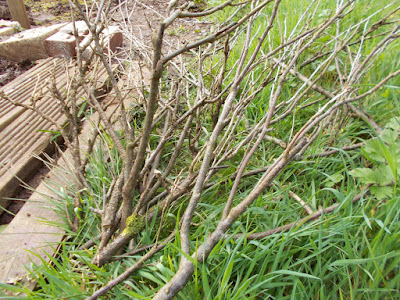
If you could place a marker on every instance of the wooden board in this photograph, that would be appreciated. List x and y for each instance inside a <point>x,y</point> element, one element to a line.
<point>23,133</point>
<point>33,234</point>
<point>22,87</point>
<point>30,235</point>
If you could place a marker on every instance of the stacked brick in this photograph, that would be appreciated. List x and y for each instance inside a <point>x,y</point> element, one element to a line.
<point>55,41</point>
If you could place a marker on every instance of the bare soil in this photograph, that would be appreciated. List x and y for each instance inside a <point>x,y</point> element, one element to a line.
<point>10,70</point>
<point>23,195</point>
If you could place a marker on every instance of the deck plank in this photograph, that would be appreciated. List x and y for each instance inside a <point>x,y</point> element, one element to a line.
<point>32,236</point>
<point>22,136</point>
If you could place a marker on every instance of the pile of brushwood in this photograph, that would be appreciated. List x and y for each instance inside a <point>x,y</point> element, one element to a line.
<point>259,160</point>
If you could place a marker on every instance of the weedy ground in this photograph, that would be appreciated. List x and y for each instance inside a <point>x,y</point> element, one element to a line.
<point>43,12</point>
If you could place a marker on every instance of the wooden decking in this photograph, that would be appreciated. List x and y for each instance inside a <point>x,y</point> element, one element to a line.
<point>32,236</point>
<point>23,133</point>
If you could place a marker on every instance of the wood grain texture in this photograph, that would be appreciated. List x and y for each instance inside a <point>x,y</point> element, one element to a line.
<point>32,236</point>
<point>18,12</point>
<point>24,133</point>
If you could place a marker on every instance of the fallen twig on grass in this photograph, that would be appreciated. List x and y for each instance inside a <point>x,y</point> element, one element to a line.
<point>310,218</point>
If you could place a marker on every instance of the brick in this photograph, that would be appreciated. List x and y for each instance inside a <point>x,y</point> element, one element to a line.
<point>81,27</point>
<point>111,38</point>
<point>28,44</point>
<point>61,44</point>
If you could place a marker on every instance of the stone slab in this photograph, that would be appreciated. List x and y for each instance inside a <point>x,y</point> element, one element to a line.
<point>7,31</point>
<point>7,23</point>
<point>28,44</point>
<point>81,27</point>
<point>8,28</point>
